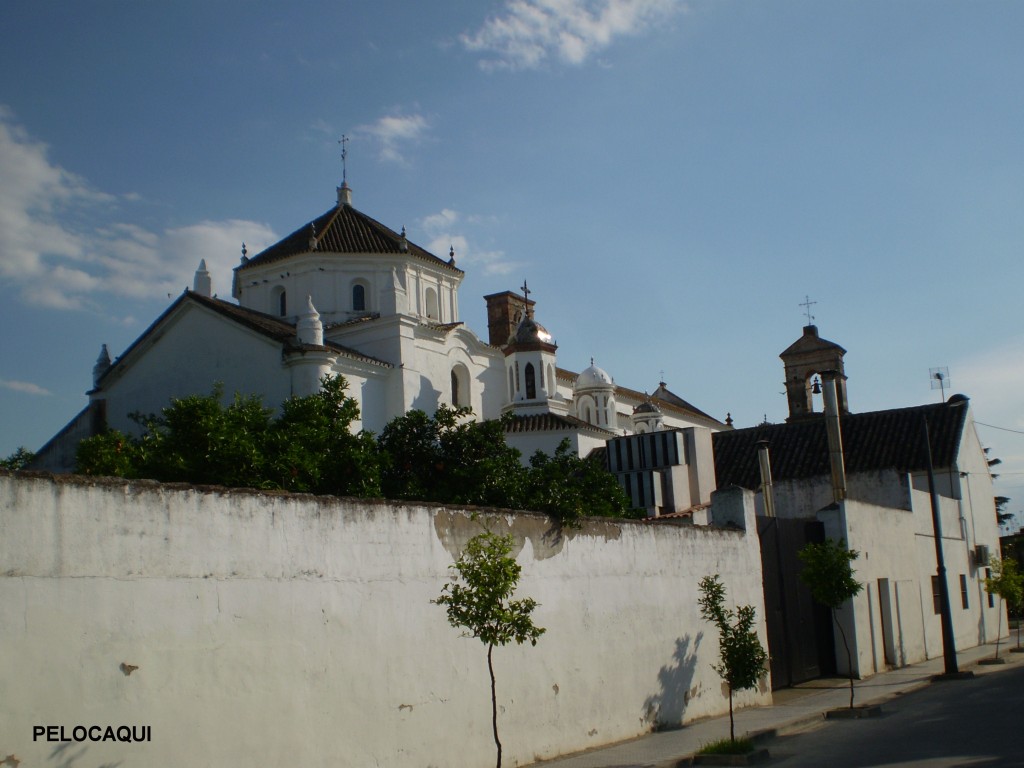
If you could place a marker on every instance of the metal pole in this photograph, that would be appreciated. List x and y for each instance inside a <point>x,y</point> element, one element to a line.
<point>948,641</point>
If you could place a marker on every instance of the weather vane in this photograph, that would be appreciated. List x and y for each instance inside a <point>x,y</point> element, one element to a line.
<point>344,156</point>
<point>807,304</point>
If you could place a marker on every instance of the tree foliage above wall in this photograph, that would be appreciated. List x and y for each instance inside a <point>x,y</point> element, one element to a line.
<point>310,447</point>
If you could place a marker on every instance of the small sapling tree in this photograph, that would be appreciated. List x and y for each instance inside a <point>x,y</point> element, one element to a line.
<point>741,656</point>
<point>828,574</point>
<point>479,601</point>
<point>1007,582</point>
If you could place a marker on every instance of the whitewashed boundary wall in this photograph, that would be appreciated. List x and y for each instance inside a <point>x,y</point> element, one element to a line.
<point>244,628</point>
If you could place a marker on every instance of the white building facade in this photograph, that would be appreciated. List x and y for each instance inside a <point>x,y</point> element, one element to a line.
<point>346,295</point>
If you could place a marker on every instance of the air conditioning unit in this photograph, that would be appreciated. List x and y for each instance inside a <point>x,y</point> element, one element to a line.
<point>981,555</point>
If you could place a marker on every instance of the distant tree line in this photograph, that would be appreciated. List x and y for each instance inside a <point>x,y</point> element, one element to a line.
<point>309,447</point>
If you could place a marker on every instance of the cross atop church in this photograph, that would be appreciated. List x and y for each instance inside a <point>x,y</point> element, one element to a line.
<point>807,304</point>
<point>344,157</point>
<point>526,295</point>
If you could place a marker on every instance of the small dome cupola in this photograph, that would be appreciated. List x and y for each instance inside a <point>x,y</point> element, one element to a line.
<point>647,417</point>
<point>530,364</point>
<point>594,397</point>
<point>529,331</point>
<point>593,378</point>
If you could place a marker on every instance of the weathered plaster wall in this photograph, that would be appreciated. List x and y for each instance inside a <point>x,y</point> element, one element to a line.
<point>894,615</point>
<point>255,629</point>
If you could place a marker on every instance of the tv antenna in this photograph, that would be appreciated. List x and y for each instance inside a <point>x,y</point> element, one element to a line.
<point>940,379</point>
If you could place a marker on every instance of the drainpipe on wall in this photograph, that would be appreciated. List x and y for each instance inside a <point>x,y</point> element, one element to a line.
<point>766,478</point>
<point>835,437</point>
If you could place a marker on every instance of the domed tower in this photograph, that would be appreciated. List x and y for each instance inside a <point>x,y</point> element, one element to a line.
<point>647,417</point>
<point>530,369</point>
<point>807,357</point>
<point>594,397</point>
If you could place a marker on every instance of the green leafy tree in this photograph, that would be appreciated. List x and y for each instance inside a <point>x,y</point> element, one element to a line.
<point>451,459</point>
<point>741,657</point>
<point>828,574</point>
<point>17,460</point>
<point>197,439</point>
<point>1007,582</point>
<point>312,448</point>
<point>570,488</point>
<point>109,454</point>
<point>479,601</point>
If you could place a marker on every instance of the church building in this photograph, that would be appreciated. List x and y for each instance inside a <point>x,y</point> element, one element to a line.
<point>346,295</point>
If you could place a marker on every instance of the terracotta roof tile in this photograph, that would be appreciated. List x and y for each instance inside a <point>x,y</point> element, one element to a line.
<point>872,441</point>
<point>343,229</point>
<point>548,422</point>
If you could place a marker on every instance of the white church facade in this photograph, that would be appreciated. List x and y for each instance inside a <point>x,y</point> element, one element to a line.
<point>344,294</point>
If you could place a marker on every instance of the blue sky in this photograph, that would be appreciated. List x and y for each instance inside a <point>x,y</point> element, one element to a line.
<point>672,178</point>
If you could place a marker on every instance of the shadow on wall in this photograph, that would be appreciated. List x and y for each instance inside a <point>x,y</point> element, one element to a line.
<point>428,398</point>
<point>665,710</point>
<point>68,754</point>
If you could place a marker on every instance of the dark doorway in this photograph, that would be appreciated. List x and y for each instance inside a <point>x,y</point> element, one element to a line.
<point>800,641</point>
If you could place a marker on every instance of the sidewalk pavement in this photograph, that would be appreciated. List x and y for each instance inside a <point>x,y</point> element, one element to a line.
<point>792,708</point>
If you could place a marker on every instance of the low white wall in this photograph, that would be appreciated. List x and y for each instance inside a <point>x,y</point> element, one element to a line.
<point>251,629</point>
<point>894,614</point>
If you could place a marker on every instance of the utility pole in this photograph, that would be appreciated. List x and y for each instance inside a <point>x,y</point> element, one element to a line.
<point>948,640</point>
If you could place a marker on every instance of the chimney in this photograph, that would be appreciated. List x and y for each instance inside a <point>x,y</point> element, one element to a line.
<point>766,478</point>
<point>835,436</point>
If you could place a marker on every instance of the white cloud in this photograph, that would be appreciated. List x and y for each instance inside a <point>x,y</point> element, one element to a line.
<point>393,133</point>
<point>55,261</point>
<point>442,228</point>
<point>24,386</point>
<point>531,31</point>
<point>994,380</point>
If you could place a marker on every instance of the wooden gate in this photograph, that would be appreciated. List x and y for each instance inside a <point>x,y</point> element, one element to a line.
<point>800,640</point>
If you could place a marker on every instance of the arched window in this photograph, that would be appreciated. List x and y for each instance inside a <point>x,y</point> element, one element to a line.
<point>511,385</point>
<point>531,382</point>
<point>460,386</point>
<point>432,310</point>
<point>358,298</point>
<point>280,301</point>
<point>517,376</point>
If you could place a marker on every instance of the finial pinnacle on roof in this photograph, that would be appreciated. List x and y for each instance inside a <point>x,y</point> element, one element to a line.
<point>807,304</point>
<point>526,295</point>
<point>245,254</point>
<point>451,256</point>
<point>344,159</point>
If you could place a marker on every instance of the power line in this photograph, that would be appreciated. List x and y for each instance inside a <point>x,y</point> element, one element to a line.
<point>1004,429</point>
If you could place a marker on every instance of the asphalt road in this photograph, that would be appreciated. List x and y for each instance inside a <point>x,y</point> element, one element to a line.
<point>975,722</point>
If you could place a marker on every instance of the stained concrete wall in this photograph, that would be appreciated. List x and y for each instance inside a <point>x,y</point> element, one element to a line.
<point>248,629</point>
